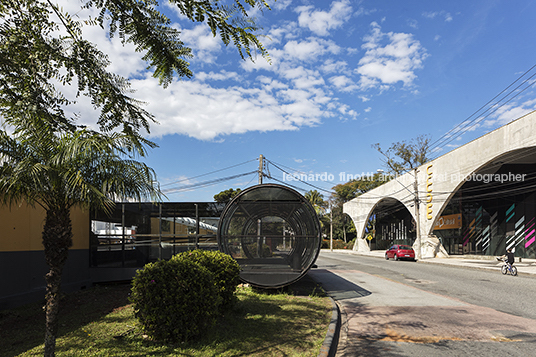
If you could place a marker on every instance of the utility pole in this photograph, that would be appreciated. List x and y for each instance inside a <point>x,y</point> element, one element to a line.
<point>330,228</point>
<point>261,164</point>
<point>259,222</point>
<point>417,216</point>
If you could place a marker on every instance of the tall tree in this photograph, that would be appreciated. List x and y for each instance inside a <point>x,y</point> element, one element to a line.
<point>58,171</point>
<point>316,199</point>
<point>404,156</point>
<point>46,158</point>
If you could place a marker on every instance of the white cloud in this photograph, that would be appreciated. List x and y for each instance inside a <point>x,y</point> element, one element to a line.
<point>343,83</point>
<point>310,49</point>
<point>205,46</point>
<point>347,112</point>
<point>212,76</point>
<point>280,4</point>
<point>320,22</point>
<point>302,77</point>
<point>363,11</point>
<point>331,66</point>
<point>389,58</point>
<point>289,95</point>
<point>413,23</point>
<point>433,14</point>
<point>508,112</point>
<point>282,32</point>
<point>270,84</point>
<point>203,112</point>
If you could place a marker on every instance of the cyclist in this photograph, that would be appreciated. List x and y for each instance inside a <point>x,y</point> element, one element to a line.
<point>508,257</point>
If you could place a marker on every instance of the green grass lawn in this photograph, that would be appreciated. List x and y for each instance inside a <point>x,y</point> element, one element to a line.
<point>100,322</point>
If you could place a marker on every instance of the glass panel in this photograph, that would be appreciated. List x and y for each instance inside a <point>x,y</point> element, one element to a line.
<point>152,232</point>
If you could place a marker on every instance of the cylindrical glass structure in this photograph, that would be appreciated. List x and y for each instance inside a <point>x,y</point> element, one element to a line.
<point>273,232</point>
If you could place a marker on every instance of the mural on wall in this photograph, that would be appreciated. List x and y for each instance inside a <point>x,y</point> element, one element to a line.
<point>489,231</point>
<point>473,232</point>
<point>530,236</point>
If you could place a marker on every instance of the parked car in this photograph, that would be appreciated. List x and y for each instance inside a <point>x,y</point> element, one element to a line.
<point>399,251</point>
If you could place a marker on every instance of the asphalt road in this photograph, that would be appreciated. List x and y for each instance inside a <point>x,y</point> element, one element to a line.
<point>413,309</point>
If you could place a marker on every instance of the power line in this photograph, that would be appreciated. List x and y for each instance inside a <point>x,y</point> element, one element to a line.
<point>296,178</point>
<point>206,183</point>
<point>209,173</point>
<point>461,128</point>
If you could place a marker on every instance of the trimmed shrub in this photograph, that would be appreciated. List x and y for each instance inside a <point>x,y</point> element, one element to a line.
<point>225,271</point>
<point>337,244</point>
<point>175,300</point>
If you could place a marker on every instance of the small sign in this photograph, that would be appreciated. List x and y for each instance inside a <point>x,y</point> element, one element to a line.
<point>451,221</point>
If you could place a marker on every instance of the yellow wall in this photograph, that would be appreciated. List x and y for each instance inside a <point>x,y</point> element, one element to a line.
<point>21,228</point>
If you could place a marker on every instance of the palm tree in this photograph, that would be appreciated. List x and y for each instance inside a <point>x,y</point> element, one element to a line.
<point>58,171</point>
<point>316,199</point>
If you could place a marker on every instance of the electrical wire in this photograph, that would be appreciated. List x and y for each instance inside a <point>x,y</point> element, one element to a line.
<point>209,173</point>
<point>296,179</point>
<point>461,128</point>
<point>206,183</point>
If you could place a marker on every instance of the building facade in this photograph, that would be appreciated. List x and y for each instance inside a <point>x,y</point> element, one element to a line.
<point>476,199</point>
<point>105,247</point>
<point>22,259</point>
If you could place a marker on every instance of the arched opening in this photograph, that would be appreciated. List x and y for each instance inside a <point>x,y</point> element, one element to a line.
<point>493,209</point>
<point>390,222</point>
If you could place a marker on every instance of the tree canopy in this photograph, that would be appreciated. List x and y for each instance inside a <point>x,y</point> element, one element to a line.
<point>43,49</point>
<point>226,195</point>
<point>316,199</point>
<point>403,155</point>
<point>346,191</point>
<point>46,157</point>
<point>58,171</point>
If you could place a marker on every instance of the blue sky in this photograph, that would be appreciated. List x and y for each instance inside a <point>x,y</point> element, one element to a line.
<point>344,75</point>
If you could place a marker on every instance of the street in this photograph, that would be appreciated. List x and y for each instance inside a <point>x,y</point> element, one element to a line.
<point>403,308</point>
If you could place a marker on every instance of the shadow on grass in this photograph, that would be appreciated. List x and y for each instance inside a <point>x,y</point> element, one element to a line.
<point>23,328</point>
<point>281,325</point>
<point>98,322</point>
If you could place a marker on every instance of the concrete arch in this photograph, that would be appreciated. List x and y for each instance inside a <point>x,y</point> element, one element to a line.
<point>485,171</point>
<point>382,204</point>
<point>436,181</point>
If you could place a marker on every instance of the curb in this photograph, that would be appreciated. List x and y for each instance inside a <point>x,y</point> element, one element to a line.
<point>329,347</point>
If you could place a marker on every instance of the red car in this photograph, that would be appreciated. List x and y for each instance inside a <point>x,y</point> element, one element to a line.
<point>400,252</point>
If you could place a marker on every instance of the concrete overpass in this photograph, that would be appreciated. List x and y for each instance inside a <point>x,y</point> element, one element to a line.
<point>437,181</point>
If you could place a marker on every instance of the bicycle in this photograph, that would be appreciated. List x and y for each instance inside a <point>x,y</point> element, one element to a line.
<point>508,268</point>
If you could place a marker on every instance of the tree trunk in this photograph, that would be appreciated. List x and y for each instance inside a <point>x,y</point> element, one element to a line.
<point>57,238</point>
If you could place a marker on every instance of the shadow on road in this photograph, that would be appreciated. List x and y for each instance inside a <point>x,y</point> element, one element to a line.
<point>338,288</point>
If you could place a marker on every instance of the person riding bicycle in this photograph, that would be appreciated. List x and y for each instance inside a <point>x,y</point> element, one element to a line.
<point>508,257</point>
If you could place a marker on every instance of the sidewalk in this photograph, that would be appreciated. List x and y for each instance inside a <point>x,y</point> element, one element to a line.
<point>525,267</point>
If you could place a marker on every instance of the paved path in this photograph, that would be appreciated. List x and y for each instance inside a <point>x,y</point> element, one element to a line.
<point>381,316</point>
